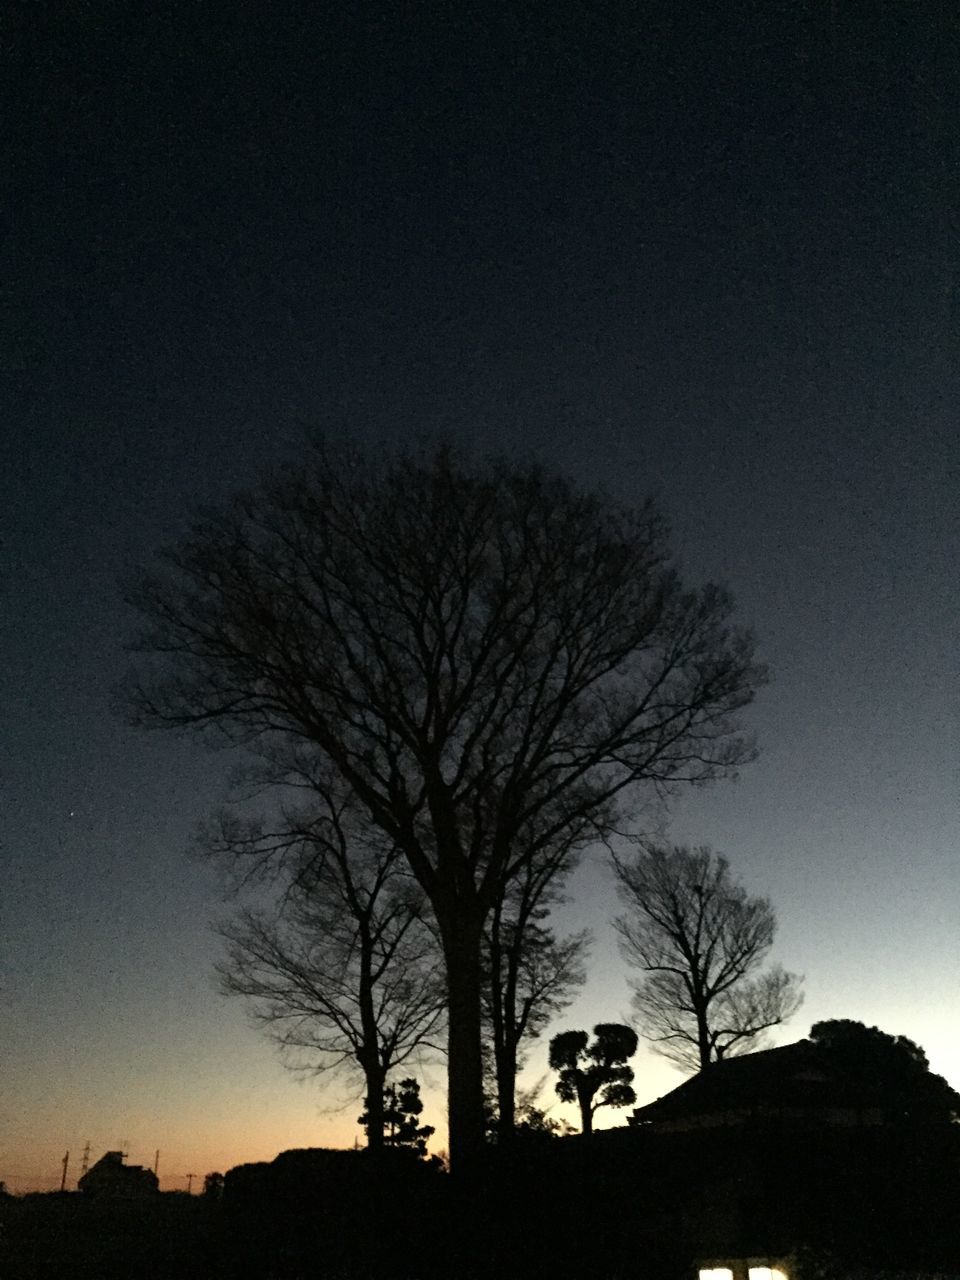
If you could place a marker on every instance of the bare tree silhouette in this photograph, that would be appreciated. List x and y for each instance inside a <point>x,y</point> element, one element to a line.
<point>489,658</point>
<point>700,943</point>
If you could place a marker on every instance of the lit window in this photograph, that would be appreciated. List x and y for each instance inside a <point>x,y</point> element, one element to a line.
<point>766,1273</point>
<point>717,1273</point>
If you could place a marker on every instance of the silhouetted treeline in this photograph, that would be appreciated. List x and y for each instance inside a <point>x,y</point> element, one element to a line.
<point>644,1203</point>
<point>361,1214</point>
<point>628,1202</point>
<point>846,1202</point>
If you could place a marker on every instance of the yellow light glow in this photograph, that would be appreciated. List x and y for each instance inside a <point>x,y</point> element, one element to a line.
<point>717,1273</point>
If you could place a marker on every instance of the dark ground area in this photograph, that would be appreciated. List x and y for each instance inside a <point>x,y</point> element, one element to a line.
<point>847,1204</point>
<point>163,1236</point>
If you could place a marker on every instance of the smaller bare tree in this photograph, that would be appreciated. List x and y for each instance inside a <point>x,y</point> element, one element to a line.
<point>700,941</point>
<point>343,969</point>
<point>530,974</point>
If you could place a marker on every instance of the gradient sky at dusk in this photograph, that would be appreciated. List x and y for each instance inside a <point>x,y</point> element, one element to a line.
<point>706,252</point>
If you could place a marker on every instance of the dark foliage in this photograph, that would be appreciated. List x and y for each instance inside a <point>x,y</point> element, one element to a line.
<point>888,1072</point>
<point>534,1125</point>
<point>850,1203</point>
<point>162,1237</point>
<point>337,1213</point>
<point>594,1075</point>
<point>402,1108</point>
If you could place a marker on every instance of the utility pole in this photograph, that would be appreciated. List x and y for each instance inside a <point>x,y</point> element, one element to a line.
<point>63,1181</point>
<point>156,1162</point>
<point>190,1178</point>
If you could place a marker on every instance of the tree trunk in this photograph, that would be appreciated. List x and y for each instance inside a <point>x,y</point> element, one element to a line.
<point>503,1006</point>
<point>373,1069</point>
<point>506,1092</point>
<point>461,945</point>
<point>375,1109</point>
<point>586,1117</point>
<point>703,1039</point>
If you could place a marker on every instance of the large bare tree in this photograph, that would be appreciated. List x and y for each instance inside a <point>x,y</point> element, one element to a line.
<point>490,658</point>
<point>701,943</point>
<point>342,967</point>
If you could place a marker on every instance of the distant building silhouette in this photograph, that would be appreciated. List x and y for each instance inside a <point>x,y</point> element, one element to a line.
<point>111,1177</point>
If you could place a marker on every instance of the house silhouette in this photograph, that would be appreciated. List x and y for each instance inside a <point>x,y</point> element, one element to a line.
<point>799,1082</point>
<point>111,1177</point>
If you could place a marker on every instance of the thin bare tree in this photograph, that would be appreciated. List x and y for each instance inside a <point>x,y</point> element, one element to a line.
<point>343,969</point>
<point>481,651</point>
<point>700,942</point>
<point>530,975</point>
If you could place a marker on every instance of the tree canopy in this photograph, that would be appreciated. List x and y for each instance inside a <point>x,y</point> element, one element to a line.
<point>889,1072</point>
<point>594,1075</point>
<point>490,658</point>
<point>402,1109</point>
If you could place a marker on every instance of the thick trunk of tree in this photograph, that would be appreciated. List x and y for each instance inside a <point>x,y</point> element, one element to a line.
<point>586,1118</point>
<point>373,1069</point>
<point>461,944</point>
<point>375,1110</point>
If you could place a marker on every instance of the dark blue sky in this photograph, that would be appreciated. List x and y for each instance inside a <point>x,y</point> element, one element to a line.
<point>706,252</point>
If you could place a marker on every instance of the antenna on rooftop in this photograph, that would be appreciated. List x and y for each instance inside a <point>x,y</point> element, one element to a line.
<point>63,1180</point>
<point>85,1162</point>
<point>190,1178</point>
